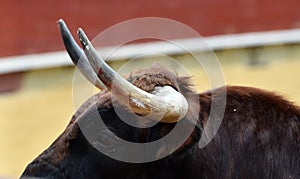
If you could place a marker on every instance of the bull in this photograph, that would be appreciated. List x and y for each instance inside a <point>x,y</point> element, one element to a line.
<point>259,136</point>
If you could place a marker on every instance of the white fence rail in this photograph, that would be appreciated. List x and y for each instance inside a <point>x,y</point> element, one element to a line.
<point>244,40</point>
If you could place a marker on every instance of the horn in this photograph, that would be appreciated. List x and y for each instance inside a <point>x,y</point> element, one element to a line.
<point>164,103</point>
<point>78,57</point>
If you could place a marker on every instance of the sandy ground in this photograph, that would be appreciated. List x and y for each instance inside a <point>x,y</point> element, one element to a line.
<point>30,119</point>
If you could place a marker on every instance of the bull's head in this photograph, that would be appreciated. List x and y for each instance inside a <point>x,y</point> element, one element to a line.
<point>150,96</point>
<point>153,95</point>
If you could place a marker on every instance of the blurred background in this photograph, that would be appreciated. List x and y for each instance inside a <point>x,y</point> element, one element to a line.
<point>256,41</point>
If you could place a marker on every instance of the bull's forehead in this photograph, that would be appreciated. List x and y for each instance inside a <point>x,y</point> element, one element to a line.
<point>156,75</point>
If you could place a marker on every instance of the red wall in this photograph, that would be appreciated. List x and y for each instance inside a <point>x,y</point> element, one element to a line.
<point>29,26</point>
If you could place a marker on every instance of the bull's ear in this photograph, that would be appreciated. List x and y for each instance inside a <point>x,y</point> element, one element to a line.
<point>77,56</point>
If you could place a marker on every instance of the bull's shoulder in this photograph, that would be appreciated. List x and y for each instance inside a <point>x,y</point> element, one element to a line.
<point>259,103</point>
<point>262,116</point>
<point>252,112</point>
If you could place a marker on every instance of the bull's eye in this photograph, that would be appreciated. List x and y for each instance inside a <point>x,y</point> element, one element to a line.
<point>105,141</point>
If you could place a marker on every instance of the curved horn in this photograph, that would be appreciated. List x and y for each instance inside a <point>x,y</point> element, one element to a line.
<point>165,102</point>
<point>78,57</point>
